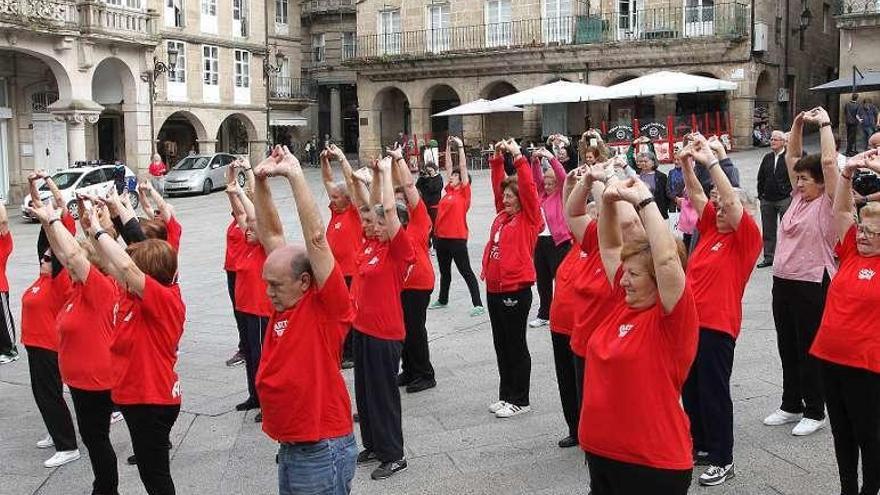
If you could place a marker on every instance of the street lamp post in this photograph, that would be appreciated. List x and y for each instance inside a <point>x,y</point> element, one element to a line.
<point>150,78</point>
<point>268,71</point>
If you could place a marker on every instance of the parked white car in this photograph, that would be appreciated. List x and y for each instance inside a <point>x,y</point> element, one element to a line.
<point>86,180</point>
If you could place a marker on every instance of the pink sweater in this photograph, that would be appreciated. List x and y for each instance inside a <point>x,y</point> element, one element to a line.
<point>552,203</point>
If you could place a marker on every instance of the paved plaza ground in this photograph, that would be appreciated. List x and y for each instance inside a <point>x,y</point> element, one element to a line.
<point>453,445</point>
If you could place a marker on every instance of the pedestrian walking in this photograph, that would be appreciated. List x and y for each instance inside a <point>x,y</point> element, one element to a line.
<point>774,192</point>
<point>869,120</point>
<point>852,120</point>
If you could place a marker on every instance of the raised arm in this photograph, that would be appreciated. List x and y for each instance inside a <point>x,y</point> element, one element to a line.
<point>497,174</point>
<point>376,186</point>
<point>447,162</point>
<point>830,171</point>
<point>327,173</point>
<point>122,267</point>
<point>34,191</point>
<point>389,205</point>
<point>4,220</point>
<point>144,198</point>
<point>249,178</point>
<point>57,199</point>
<point>610,237</point>
<point>576,202</point>
<point>843,209</point>
<point>727,195</point>
<point>462,161</point>
<point>794,151</point>
<point>235,202</point>
<point>668,270</point>
<point>528,194</point>
<point>406,178</point>
<point>270,232</point>
<point>63,245</point>
<point>356,190</point>
<point>164,207</point>
<point>695,192</point>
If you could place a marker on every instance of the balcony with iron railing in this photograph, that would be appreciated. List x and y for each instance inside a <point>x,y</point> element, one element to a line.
<point>88,17</point>
<point>319,7</point>
<point>663,23</point>
<point>292,88</point>
<point>856,7</point>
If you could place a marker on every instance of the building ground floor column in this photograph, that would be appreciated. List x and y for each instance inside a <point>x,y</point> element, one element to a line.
<point>335,114</point>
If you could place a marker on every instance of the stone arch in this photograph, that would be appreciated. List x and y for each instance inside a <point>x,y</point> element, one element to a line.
<point>764,111</point>
<point>59,71</point>
<point>392,109</point>
<point>438,98</point>
<point>235,133</point>
<point>114,136</point>
<point>180,133</point>
<point>622,112</point>
<point>501,125</point>
<point>706,109</point>
<point>113,82</point>
<point>616,78</point>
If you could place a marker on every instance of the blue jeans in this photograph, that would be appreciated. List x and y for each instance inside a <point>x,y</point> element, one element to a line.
<point>321,468</point>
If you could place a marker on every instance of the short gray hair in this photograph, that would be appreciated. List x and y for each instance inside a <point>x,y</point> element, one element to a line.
<point>647,155</point>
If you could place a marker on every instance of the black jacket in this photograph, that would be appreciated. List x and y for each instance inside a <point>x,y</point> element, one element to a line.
<point>430,188</point>
<point>773,187</point>
<point>660,182</point>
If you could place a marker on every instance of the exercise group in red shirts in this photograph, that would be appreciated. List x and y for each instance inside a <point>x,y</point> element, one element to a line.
<point>643,332</point>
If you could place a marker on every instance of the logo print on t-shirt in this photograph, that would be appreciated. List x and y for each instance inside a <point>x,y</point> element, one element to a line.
<point>368,250</point>
<point>624,329</point>
<point>337,225</point>
<point>35,290</point>
<point>583,254</point>
<point>127,317</point>
<point>374,261</point>
<point>280,327</point>
<point>69,307</point>
<point>866,274</point>
<point>510,302</point>
<point>718,245</point>
<point>175,390</point>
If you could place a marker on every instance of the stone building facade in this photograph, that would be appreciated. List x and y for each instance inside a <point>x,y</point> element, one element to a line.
<point>418,57</point>
<point>75,82</point>
<point>859,24</point>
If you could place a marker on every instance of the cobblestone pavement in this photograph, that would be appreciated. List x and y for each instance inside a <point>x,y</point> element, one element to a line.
<point>453,445</point>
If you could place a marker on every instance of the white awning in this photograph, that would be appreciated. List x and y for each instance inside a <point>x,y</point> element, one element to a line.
<point>287,119</point>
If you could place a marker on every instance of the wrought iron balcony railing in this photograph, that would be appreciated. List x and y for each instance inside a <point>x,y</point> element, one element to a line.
<point>292,88</point>
<point>317,7</point>
<point>719,20</point>
<point>856,7</point>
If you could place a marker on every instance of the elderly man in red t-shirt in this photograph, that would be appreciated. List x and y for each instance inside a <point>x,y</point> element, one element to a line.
<point>306,407</point>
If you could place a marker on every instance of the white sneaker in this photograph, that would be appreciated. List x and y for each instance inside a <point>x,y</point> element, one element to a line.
<point>115,417</point>
<point>780,417</point>
<point>62,458</point>
<point>807,426</point>
<point>46,443</point>
<point>716,475</point>
<point>539,322</point>
<point>497,406</point>
<point>511,410</point>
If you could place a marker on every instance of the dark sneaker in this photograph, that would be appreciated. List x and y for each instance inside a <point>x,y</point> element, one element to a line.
<point>366,457</point>
<point>765,263</point>
<point>420,384</point>
<point>247,405</point>
<point>568,442</point>
<point>347,364</point>
<point>715,475</point>
<point>388,469</point>
<point>356,417</point>
<point>701,458</point>
<point>236,360</point>
<point>404,379</point>
<point>259,417</point>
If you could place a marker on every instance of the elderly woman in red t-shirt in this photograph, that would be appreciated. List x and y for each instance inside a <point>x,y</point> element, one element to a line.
<point>509,274</point>
<point>718,270</point>
<point>157,170</point>
<point>451,230</point>
<point>848,343</point>
<point>85,328</point>
<point>149,324</point>
<point>636,435</point>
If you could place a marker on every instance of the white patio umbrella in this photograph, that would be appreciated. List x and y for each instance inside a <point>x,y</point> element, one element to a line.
<point>478,107</point>
<point>555,92</point>
<point>667,83</point>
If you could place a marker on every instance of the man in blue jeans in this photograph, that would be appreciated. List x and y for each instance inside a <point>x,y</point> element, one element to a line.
<point>306,407</point>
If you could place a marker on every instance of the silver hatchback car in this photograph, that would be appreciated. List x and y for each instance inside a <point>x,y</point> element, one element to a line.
<point>200,174</point>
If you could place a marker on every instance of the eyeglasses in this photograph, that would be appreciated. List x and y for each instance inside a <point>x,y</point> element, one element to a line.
<point>869,234</point>
<point>46,258</point>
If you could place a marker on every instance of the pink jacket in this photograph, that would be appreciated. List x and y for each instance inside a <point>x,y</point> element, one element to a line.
<point>552,204</point>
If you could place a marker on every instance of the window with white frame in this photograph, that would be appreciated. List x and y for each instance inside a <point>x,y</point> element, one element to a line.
<point>242,69</point>
<point>498,26</point>
<point>209,16</point>
<point>178,75</point>
<point>389,32</point>
<point>349,45</point>
<point>557,22</point>
<point>318,45</point>
<point>281,7</point>
<point>240,18</point>
<point>174,13</point>
<point>210,65</point>
<point>129,4</point>
<point>699,17</point>
<point>437,28</point>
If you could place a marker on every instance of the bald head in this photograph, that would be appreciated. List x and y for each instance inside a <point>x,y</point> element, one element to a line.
<point>874,141</point>
<point>288,275</point>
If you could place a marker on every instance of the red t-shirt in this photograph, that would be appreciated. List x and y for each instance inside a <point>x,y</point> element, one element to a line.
<point>637,362</point>
<point>5,251</point>
<point>719,269</point>
<point>250,288</point>
<point>451,222</point>
<point>301,390</point>
<point>235,244</point>
<point>68,222</point>
<point>85,330</point>
<point>382,267</point>
<point>157,169</point>
<point>175,231</point>
<point>848,334</point>
<point>573,282</point>
<point>421,276</point>
<point>40,305</point>
<point>144,349</point>
<point>345,236</point>
<point>595,302</point>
